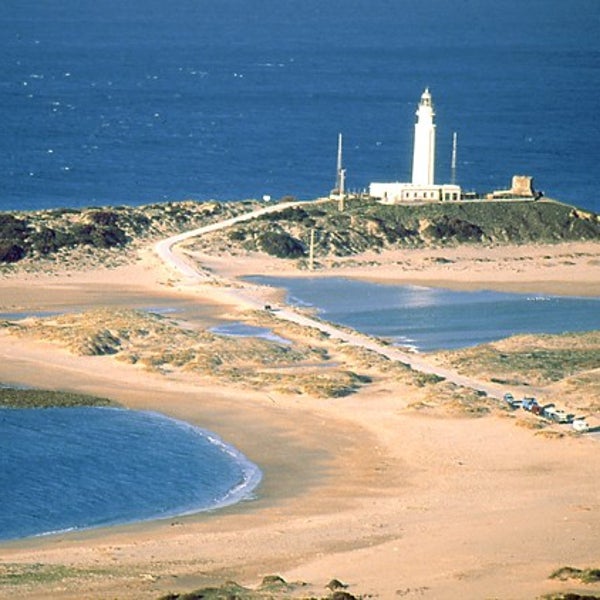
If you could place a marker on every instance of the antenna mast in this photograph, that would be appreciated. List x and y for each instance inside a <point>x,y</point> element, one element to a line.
<point>453,166</point>
<point>340,182</point>
<point>339,177</point>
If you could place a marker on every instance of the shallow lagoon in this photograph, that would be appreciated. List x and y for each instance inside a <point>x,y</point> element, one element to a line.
<point>428,318</point>
<point>242,330</point>
<point>64,469</point>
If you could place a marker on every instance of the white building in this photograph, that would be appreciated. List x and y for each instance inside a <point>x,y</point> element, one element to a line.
<point>392,193</point>
<point>422,188</point>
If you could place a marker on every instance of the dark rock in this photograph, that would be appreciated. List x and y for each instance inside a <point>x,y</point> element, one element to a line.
<point>336,584</point>
<point>273,582</point>
<point>342,596</point>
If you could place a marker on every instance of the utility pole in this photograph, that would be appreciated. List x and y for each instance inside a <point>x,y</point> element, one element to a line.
<point>338,182</point>
<point>311,251</point>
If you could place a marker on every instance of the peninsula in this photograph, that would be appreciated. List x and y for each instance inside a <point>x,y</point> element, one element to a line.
<point>397,480</point>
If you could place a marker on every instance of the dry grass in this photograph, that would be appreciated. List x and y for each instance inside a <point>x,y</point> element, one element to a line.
<point>567,365</point>
<point>163,345</point>
<point>452,400</point>
<point>582,390</point>
<point>312,365</point>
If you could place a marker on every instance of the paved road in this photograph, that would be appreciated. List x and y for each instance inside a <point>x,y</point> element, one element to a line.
<point>165,250</point>
<point>416,361</point>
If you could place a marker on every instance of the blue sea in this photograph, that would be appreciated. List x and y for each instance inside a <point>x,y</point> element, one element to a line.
<point>105,102</point>
<point>64,469</point>
<point>426,319</point>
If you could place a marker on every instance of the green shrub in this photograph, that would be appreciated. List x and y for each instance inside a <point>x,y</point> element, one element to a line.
<point>45,241</point>
<point>98,237</point>
<point>292,214</point>
<point>103,217</point>
<point>10,253</point>
<point>237,235</point>
<point>11,227</point>
<point>281,244</point>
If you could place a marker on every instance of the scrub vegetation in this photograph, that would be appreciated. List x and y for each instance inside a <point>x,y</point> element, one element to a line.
<point>368,225</point>
<point>311,365</point>
<point>271,588</point>
<point>163,345</point>
<point>50,234</point>
<point>583,575</point>
<point>29,398</point>
<point>565,365</point>
<point>363,225</point>
<point>24,574</point>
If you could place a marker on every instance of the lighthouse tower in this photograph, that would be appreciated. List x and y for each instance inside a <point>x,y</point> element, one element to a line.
<point>422,187</point>
<point>424,150</point>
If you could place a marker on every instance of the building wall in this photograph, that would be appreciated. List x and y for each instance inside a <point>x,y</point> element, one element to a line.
<point>398,192</point>
<point>522,187</point>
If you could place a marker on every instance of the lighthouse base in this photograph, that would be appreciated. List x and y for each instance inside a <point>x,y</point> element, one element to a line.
<point>405,193</point>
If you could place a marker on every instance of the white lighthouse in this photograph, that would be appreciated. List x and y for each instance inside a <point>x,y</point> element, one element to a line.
<point>424,148</point>
<point>422,187</point>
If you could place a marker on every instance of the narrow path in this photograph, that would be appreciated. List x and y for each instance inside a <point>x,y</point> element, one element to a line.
<point>417,362</point>
<point>165,250</point>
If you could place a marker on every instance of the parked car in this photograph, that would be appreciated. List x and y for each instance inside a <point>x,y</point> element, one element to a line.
<point>580,424</point>
<point>548,410</point>
<point>510,400</point>
<point>528,403</point>
<point>560,416</point>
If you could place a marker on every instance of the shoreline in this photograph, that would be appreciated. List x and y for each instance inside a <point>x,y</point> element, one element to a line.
<point>243,490</point>
<point>356,488</point>
<point>568,269</point>
<point>287,481</point>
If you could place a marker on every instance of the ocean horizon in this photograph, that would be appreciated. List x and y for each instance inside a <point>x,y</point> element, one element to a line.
<point>142,102</point>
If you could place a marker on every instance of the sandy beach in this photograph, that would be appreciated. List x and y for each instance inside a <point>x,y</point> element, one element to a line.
<point>393,502</point>
<point>563,269</point>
